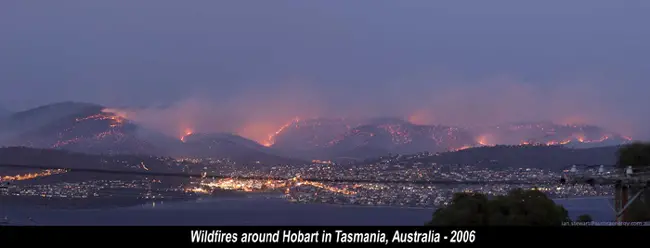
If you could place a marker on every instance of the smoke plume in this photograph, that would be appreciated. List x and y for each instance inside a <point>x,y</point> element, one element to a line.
<point>260,112</point>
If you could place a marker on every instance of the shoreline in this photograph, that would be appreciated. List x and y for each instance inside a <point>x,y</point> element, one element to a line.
<point>253,210</point>
<point>33,202</point>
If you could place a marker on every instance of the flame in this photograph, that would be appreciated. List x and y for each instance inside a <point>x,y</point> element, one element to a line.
<point>482,140</point>
<point>185,133</point>
<point>115,119</point>
<point>554,142</point>
<point>271,139</point>
<point>398,133</point>
<point>65,142</point>
<point>606,137</point>
<point>462,148</point>
<point>119,113</point>
<point>577,138</point>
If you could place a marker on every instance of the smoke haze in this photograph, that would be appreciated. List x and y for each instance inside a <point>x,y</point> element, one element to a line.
<point>250,66</point>
<point>257,114</point>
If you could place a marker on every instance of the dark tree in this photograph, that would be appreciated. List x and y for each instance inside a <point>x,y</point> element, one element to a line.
<point>466,209</point>
<point>636,155</point>
<point>638,211</point>
<point>519,207</point>
<point>584,218</point>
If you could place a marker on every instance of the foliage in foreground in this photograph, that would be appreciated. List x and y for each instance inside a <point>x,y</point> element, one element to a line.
<point>519,207</point>
<point>584,218</point>
<point>636,155</point>
<point>534,208</point>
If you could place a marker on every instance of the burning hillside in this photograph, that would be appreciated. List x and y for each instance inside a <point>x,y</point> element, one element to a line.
<point>92,129</point>
<point>309,133</point>
<point>96,129</point>
<point>546,133</point>
<point>339,136</point>
<point>294,123</point>
<point>404,138</point>
<point>399,136</point>
<point>187,132</point>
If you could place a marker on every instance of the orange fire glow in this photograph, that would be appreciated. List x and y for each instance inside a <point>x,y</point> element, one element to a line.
<point>576,138</point>
<point>482,140</point>
<point>271,139</point>
<point>257,131</point>
<point>115,118</point>
<point>420,118</point>
<point>116,121</point>
<point>116,112</point>
<point>65,142</point>
<point>185,133</point>
<point>462,148</point>
<point>554,143</point>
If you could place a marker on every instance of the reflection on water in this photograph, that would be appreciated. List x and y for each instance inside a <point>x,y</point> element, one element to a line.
<point>257,210</point>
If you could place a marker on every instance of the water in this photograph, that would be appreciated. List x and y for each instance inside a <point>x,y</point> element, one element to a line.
<point>258,211</point>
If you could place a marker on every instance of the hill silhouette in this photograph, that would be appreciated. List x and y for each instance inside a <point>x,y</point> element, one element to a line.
<point>231,146</point>
<point>73,160</point>
<point>335,138</point>
<point>527,156</point>
<point>89,128</point>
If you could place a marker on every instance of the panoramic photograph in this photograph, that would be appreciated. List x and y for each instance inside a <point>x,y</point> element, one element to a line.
<point>324,113</point>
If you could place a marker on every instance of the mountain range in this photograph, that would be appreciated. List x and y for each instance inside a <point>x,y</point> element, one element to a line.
<point>339,138</point>
<point>89,128</point>
<point>530,156</point>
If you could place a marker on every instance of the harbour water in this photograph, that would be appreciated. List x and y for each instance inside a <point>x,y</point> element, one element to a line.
<point>257,211</point>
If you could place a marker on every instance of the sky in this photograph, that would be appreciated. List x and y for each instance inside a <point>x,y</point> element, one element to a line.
<point>249,66</point>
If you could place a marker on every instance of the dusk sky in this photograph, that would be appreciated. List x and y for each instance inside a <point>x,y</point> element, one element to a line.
<point>448,62</point>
